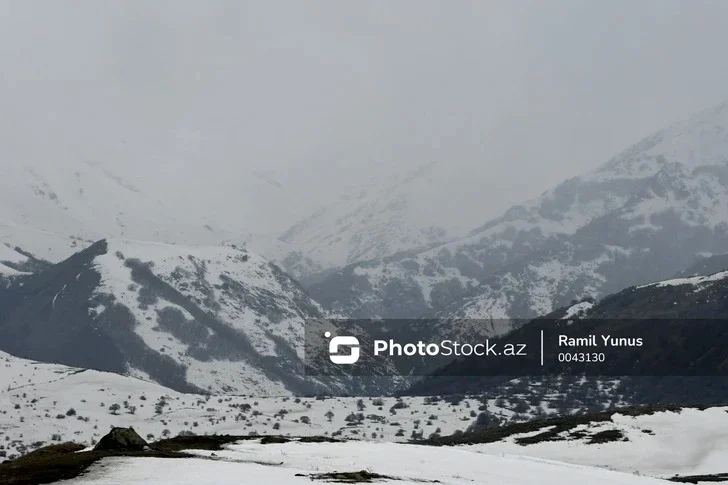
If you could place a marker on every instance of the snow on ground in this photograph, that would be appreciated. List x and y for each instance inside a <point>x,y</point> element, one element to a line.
<point>382,217</point>
<point>293,463</point>
<point>10,255</point>
<point>11,258</point>
<point>74,201</point>
<point>689,442</point>
<point>45,403</point>
<point>578,309</point>
<point>379,277</point>
<point>696,281</point>
<point>8,271</point>
<point>198,272</point>
<point>540,283</point>
<point>41,403</point>
<point>236,287</point>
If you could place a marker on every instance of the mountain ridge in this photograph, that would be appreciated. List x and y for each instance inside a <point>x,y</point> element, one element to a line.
<point>193,319</point>
<point>589,236</point>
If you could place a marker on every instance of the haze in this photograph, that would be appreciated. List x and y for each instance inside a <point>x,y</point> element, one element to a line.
<point>202,101</point>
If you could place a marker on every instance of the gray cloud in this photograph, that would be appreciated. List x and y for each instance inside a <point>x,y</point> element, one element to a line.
<point>513,96</point>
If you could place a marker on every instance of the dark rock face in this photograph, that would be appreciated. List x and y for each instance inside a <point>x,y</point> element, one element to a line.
<point>122,439</point>
<point>32,326</point>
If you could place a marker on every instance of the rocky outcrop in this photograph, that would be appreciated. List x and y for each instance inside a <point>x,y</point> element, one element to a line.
<point>122,439</point>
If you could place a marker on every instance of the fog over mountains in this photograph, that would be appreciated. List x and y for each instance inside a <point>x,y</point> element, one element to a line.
<point>90,261</point>
<point>677,170</point>
<point>644,215</point>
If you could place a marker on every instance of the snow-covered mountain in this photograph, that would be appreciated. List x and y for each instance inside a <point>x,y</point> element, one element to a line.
<point>209,319</point>
<point>676,366</point>
<point>698,296</point>
<point>386,216</point>
<point>380,217</point>
<point>283,254</point>
<point>646,214</point>
<point>53,210</point>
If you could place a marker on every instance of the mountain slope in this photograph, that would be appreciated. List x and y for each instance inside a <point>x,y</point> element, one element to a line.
<point>283,254</point>
<point>44,402</point>
<point>682,322</point>
<point>690,297</point>
<point>11,261</point>
<point>53,210</point>
<point>644,215</point>
<point>34,394</point>
<point>382,218</point>
<point>39,409</point>
<point>207,319</point>
<point>659,441</point>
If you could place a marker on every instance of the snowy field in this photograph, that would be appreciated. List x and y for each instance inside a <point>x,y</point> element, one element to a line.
<point>295,463</point>
<point>664,444</point>
<point>42,404</point>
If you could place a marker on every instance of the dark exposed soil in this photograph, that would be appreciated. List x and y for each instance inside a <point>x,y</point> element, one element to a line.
<point>62,462</point>
<point>66,461</point>
<point>606,437</point>
<point>718,477</point>
<point>272,440</point>
<point>361,476</point>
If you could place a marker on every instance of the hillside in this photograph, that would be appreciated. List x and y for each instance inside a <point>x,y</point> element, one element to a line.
<point>209,319</point>
<point>287,257</point>
<point>643,216</point>
<point>38,410</point>
<point>693,297</point>
<point>681,322</point>
<point>381,218</point>
<point>661,441</point>
<point>11,261</point>
<point>619,446</point>
<point>53,210</point>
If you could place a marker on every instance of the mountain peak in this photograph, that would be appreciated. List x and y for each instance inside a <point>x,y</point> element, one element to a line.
<point>202,318</point>
<point>700,140</point>
<point>642,216</point>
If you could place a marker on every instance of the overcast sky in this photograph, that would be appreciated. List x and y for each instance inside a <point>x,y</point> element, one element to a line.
<point>514,96</point>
